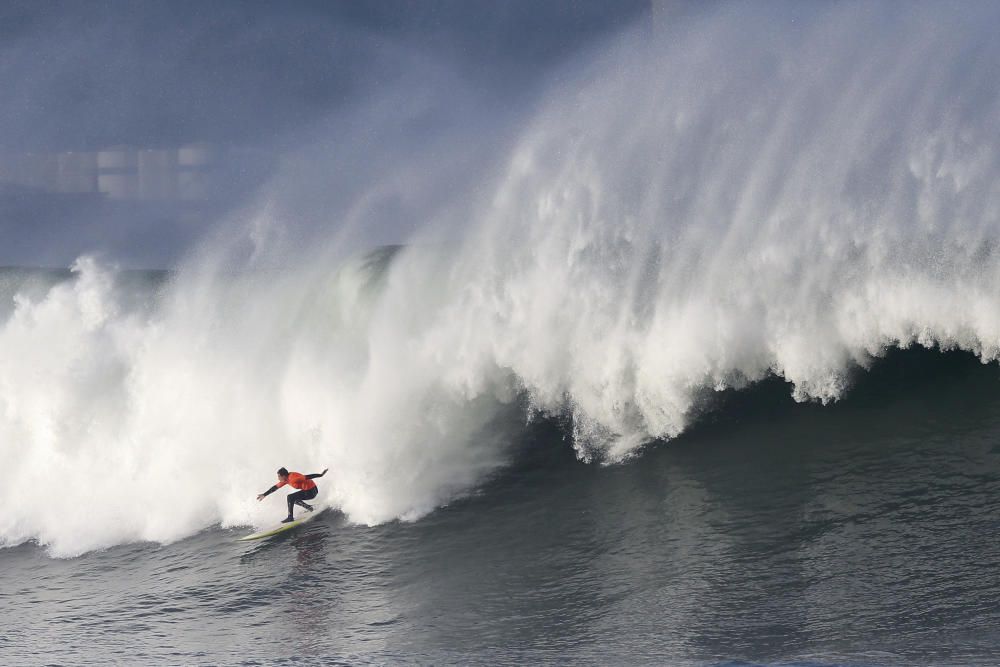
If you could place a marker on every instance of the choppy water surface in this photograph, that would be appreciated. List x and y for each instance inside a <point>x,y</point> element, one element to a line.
<point>559,415</point>
<point>863,533</point>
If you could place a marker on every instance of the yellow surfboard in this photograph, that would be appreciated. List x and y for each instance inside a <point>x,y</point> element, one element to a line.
<point>281,527</point>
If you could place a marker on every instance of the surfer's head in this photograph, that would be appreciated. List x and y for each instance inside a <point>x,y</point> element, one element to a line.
<point>282,474</point>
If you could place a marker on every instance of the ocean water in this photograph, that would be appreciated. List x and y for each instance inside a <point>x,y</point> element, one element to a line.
<point>703,370</point>
<point>775,533</point>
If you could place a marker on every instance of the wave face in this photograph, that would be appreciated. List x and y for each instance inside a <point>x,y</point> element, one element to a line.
<point>784,191</point>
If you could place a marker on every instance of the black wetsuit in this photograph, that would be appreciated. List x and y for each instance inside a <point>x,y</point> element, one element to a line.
<point>299,497</point>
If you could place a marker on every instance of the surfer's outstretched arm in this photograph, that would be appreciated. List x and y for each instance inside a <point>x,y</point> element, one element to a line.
<point>317,474</point>
<point>269,492</point>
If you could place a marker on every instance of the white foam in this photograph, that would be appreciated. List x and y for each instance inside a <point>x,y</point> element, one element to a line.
<point>754,195</point>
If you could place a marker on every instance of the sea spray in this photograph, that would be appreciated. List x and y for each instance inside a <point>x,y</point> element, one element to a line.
<point>762,192</point>
<point>780,190</point>
<point>154,423</point>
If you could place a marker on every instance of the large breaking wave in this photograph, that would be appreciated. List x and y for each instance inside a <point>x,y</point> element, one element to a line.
<point>789,190</point>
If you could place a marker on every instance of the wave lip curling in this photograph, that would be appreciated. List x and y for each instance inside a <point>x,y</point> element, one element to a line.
<point>784,190</point>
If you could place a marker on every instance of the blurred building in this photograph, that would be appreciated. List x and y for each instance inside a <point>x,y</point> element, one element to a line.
<point>135,200</point>
<point>192,173</point>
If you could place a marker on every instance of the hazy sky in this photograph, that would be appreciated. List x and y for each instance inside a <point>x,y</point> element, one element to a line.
<point>90,74</point>
<point>346,91</point>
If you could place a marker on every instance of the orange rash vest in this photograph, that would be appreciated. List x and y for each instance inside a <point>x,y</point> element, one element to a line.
<point>298,481</point>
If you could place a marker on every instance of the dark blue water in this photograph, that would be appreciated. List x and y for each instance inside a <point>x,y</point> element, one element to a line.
<point>862,533</point>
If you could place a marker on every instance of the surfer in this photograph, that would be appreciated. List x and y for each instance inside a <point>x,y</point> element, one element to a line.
<point>307,489</point>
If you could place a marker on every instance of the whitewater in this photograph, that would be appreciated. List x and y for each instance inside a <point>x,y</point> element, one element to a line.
<point>756,192</point>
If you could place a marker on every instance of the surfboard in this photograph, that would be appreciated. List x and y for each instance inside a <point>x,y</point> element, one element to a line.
<point>281,527</point>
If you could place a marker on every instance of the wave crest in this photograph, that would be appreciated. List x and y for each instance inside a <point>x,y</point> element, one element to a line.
<point>780,191</point>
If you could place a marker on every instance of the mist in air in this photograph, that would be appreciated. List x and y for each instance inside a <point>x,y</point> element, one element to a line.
<point>133,130</point>
<point>649,332</point>
<point>418,240</point>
